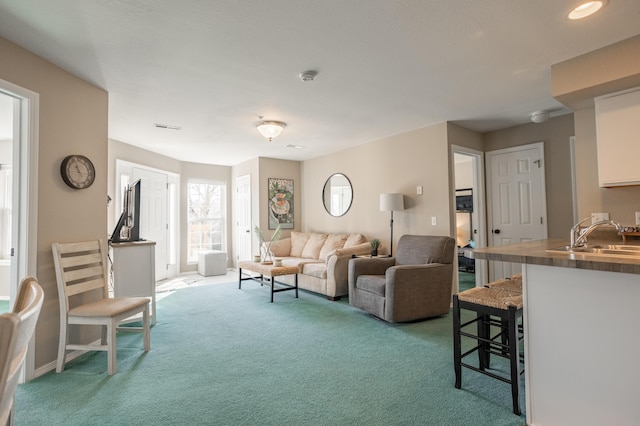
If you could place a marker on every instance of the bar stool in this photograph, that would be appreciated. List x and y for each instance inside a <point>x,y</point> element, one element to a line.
<point>494,307</point>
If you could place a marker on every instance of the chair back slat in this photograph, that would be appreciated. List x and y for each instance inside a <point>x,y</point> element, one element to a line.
<point>80,267</point>
<point>87,246</point>
<point>84,287</point>
<point>83,274</point>
<point>81,260</point>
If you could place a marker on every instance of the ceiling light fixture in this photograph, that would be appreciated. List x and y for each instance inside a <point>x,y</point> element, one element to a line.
<point>586,9</point>
<point>295,146</point>
<point>270,129</point>
<point>540,116</point>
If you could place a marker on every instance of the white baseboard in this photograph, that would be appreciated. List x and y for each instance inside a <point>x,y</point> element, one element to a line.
<point>51,366</point>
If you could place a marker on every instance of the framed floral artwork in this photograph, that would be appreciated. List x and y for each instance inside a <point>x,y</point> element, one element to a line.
<point>280,203</point>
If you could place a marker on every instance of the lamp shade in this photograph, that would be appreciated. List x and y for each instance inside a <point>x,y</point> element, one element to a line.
<point>270,129</point>
<point>391,202</point>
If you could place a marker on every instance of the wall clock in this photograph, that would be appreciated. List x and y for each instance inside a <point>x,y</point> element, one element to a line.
<point>77,171</point>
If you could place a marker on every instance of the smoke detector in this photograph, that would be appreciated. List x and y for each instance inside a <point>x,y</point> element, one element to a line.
<point>308,75</point>
<point>540,116</point>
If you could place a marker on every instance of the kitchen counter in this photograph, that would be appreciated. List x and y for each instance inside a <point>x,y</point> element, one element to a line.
<point>580,326</point>
<point>534,252</point>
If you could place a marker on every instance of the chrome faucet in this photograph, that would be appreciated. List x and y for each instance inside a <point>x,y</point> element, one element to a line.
<point>579,235</point>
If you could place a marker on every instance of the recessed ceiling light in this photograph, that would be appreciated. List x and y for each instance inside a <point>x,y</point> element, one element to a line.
<point>586,9</point>
<point>295,146</point>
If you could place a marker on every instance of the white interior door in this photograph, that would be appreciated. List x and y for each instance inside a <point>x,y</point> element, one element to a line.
<point>243,217</point>
<point>153,214</point>
<point>517,200</point>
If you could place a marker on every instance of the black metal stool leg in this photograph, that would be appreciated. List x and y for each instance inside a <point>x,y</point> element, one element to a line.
<point>457,342</point>
<point>514,359</point>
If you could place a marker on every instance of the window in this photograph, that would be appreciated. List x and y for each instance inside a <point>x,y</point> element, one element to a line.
<point>205,217</point>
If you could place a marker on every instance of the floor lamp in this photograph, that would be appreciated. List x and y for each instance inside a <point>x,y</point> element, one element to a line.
<point>391,202</point>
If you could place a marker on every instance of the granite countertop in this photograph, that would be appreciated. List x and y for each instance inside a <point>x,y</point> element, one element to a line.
<point>534,252</point>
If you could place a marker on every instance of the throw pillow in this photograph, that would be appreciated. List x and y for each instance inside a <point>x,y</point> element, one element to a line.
<point>333,242</point>
<point>298,240</point>
<point>281,248</point>
<point>354,240</point>
<point>313,246</point>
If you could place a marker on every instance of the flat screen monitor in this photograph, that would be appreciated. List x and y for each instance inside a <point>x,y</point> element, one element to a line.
<point>128,226</point>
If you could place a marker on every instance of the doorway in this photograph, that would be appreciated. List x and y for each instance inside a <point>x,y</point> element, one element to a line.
<point>6,190</point>
<point>20,222</point>
<point>517,200</point>
<point>469,218</point>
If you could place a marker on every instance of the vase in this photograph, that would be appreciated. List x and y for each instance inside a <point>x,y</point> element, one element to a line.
<point>374,252</point>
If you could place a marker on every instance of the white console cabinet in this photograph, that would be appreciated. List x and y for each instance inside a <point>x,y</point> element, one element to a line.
<point>134,272</point>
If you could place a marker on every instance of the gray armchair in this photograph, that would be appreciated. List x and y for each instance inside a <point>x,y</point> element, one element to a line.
<point>416,284</point>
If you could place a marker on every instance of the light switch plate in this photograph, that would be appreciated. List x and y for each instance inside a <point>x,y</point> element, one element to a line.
<point>599,216</point>
<point>637,218</point>
<point>419,190</point>
<point>434,221</point>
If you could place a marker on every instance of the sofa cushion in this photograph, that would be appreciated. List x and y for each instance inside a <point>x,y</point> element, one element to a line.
<point>354,240</point>
<point>298,240</point>
<point>318,270</point>
<point>313,246</point>
<point>281,248</point>
<point>333,242</point>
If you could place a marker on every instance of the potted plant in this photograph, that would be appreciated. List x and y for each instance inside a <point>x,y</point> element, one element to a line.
<point>375,244</point>
<point>265,246</point>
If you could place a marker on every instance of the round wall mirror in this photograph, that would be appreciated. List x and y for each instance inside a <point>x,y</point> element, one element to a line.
<point>337,195</point>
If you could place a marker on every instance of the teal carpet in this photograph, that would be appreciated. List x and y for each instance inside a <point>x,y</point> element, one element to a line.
<point>466,280</point>
<point>223,356</point>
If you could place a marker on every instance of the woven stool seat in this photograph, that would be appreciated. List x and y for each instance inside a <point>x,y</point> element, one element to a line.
<point>499,298</point>
<point>513,283</point>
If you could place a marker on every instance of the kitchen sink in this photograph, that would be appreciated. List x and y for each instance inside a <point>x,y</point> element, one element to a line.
<point>600,249</point>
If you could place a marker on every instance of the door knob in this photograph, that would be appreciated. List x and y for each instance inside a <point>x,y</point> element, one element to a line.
<point>496,231</point>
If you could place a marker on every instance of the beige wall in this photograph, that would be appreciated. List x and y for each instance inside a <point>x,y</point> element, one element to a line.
<point>261,169</point>
<point>575,82</point>
<point>555,134</point>
<point>187,171</point>
<point>125,152</point>
<point>621,202</point>
<point>394,164</point>
<point>72,120</point>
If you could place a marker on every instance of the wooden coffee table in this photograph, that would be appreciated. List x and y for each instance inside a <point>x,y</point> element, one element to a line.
<point>270,272</point>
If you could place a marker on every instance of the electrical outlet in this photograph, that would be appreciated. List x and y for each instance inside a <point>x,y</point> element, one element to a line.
<point>419,190</point>
<point>599,216</point>
<point>637,218</point>
<point>434,221</point>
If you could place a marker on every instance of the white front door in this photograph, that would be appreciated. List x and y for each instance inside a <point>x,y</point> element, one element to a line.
<point>243,217</point>
<point>153,214</point>
<point>516,190</point>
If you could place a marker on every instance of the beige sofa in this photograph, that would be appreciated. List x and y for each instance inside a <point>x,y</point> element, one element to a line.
<point>323,260</point>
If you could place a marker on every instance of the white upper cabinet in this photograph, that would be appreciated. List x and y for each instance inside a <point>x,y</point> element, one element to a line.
<point>618,138</point>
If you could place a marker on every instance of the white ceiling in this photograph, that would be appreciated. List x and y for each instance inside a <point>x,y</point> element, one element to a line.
<point>385,66</point>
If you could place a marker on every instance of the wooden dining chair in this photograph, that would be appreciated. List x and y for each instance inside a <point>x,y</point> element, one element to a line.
<point>16,329</point>
<point>82,276</point>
